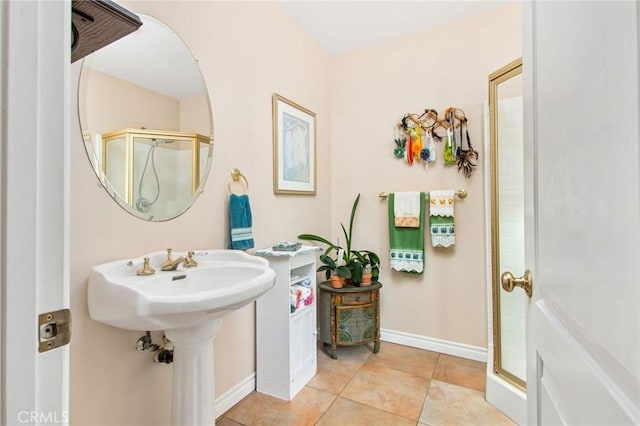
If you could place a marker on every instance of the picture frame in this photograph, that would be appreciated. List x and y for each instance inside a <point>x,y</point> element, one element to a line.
<point>294,148</point>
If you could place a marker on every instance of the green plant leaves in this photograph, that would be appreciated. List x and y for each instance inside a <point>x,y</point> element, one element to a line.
<point>354,260</point>
<point>344,271</point>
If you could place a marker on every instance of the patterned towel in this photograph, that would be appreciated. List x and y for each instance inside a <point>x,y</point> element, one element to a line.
<point>241,222</point>
<point>300,296</point>
<point>406,209</point>
<point>443,231</point>
<point>406,244</point>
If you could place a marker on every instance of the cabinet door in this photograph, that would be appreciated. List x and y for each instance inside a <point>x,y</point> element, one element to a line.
<point>356,324</point>
<point>303,341</point>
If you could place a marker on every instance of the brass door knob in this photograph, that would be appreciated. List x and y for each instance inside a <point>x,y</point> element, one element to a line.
<point>509,282</point>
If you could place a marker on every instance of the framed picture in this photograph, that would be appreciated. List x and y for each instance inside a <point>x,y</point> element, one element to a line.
<point>294,148</point>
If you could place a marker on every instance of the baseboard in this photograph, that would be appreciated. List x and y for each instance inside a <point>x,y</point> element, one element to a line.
<point>436,345</point>
<point>235,395</point>
<point>511,401</point>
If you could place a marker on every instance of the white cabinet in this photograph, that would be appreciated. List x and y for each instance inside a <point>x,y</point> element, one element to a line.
<point>286,338</point>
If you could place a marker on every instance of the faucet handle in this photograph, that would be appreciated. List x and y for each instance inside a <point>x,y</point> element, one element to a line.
<point>169,260</point>
<point>146,269</point>
<point>189,262</point>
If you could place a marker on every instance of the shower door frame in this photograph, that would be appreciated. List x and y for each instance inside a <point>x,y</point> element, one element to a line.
<point>506,394</point>
<point>502,75</point>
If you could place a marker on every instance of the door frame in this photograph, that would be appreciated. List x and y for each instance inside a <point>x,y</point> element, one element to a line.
<point>34,196</point>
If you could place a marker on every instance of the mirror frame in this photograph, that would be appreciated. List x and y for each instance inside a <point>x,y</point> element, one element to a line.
<point>98,167</point>
<point>500,76</point>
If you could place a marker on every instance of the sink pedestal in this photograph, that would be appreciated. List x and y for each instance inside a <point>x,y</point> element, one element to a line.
<point>193,377</point>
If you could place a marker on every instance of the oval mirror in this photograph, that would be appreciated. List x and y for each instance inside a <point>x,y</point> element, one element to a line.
<point>146,121</point>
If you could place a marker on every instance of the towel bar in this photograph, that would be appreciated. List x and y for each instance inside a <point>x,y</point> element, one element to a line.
<point>236,175</point>
<point>460,193</point>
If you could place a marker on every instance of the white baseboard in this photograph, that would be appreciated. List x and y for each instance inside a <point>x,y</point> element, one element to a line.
<point>235,395</point>
<point>506,398</point>
<point>436,345</point>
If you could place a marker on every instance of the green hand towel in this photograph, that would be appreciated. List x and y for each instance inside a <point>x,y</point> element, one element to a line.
<point>406,244</point>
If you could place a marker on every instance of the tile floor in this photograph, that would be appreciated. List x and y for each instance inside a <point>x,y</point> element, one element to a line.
<point>397,386</point>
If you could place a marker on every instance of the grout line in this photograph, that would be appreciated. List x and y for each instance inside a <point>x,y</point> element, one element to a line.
<point>327,409</point>
<point>339,395</point>
<point>390,368</point>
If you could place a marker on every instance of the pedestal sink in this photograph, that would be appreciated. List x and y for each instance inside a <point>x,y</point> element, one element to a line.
<point>187,304</point>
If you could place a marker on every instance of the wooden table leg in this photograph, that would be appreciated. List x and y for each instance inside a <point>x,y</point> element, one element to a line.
<point>334,328</point>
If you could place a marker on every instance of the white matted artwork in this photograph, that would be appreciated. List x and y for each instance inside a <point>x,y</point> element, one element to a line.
<point>294,148</point>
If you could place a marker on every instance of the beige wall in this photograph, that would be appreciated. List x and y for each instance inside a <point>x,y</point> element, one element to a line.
<point>371,91</point>
<point>246,51</point>
<point>117,104</point>
<point>193,117</point>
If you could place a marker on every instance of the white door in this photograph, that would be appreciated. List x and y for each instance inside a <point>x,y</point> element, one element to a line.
<point>35,57</point>
<point>580,69</point>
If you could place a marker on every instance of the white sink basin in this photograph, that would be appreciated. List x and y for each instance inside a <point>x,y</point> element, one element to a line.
<point>223,280</point>
<point>187,304</point>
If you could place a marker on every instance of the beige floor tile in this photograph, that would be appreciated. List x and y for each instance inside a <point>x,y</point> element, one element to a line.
<point>387,389</point>
<point>260,409</point>
<point>448,404</point>
<point>346,412</point>
<point>356,353</point>
<point>460,371</point>
<point>334,374</point>
<point>416,362</point>
<point>225,421</point>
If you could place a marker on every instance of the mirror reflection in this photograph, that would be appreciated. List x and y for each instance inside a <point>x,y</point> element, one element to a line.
<point>508,220</point>
<point>146,121</point>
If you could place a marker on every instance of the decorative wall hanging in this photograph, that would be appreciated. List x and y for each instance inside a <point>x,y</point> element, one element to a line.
<point>294,148</point>
<point>416,135</point>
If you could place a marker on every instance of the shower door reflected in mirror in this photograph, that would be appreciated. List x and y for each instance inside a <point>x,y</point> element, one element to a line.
<point>508,221</point>
<point>155,172</point>
<point>146,121</point>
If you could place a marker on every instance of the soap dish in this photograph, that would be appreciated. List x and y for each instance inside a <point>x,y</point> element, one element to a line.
<point>286,246</point>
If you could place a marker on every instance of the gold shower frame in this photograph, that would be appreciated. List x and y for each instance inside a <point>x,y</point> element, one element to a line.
<point>499,76</point>
<point>129,134</point>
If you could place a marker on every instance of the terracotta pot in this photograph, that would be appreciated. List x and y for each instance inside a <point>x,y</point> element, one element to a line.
<point>337,281</point>
<point>366,280</point>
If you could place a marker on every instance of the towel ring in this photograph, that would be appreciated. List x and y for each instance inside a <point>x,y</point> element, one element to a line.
<point>236,175</point>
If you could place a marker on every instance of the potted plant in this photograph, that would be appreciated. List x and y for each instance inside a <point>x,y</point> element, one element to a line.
<point>367,267</point>
<point>353,260</point>
<point>337,274</point>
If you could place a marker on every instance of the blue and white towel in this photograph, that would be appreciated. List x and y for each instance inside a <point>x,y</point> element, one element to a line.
<point>241,222</point>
